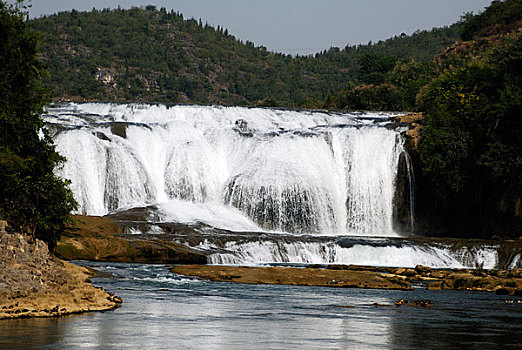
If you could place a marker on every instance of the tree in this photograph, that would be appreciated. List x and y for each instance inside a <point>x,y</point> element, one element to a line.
<point>32,198</point>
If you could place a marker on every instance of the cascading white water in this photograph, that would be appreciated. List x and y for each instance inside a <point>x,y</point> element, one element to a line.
<point>364,253</point>
<point>299,172</point>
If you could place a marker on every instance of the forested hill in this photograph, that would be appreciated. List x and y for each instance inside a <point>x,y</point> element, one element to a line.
<point>145,54</point>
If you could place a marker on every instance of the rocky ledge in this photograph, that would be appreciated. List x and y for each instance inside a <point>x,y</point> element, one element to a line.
<point>505,282</point>
<point>97,238</point>
<point>34,283</point>
<point>416,125</point>
<point>312,276</point>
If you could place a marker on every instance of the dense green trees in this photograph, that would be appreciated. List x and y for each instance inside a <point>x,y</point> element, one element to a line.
<point>32,198</point>
<point>155,55</point>
<point>471,152</point>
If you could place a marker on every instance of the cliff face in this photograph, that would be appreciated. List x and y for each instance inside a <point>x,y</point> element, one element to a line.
<point>34,283</point>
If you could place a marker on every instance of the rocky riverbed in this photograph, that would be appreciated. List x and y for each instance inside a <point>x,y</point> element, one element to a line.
<point>294,276</point>
<point>34,283</point>
<point>504,282</point>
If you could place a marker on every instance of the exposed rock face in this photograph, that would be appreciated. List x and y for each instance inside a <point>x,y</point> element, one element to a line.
<point>414,133</point>
<point>508,281</point>
<point>34,283</point>
<point>3,225</point>
<point>353,276</point>
<point>404,196</point>
<point>101,239</point>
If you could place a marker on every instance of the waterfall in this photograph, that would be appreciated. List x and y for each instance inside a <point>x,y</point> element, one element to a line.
<point>411,189</point>
<point>253,185</point>
<point>267,170</point>
<point>364,253</point>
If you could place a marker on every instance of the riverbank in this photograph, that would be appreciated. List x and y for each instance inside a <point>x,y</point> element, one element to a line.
<point>368,277</point>
<point>34,283</point>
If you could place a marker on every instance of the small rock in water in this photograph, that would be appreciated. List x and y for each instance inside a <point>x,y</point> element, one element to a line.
<point>422,269</point>
<point>502,291</point>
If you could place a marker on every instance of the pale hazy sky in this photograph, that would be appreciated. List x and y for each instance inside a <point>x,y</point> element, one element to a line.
<point>299,26</point>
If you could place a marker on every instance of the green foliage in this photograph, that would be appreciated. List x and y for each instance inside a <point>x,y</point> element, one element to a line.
<point>398,81</point>
<point>373,68</point>
<point>471,150</point>
<point>394,89</point>
<point>32,198</point>
<point>151,55</point>
<point>382,97</point>
<point>499,17</point>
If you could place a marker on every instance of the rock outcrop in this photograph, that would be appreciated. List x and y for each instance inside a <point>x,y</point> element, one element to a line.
<point>312,276</point>
<point>102,239</point>
<point>416,126</point>
<point>508,282</point>
<point>34,283</point>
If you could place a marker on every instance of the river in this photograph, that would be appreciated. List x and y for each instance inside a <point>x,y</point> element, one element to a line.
<point>165,311</point>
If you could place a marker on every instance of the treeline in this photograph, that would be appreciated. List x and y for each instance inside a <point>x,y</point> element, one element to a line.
<point>159,56</point>
<point>389,82</point>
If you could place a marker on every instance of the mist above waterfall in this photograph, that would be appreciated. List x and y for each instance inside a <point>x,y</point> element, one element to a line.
<point>242,169</point>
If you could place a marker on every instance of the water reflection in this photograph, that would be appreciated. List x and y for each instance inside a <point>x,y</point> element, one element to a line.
<point>30,333</point>
<point>459,320</point>
<point>163,311</point>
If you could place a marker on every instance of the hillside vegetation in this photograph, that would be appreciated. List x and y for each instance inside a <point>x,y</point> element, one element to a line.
<point>470,156</point>
<point>145,54</point>
<point>394,85</point>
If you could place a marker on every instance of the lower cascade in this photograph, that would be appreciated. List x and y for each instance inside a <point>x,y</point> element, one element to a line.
<point>362,253</point>
<point>266,171</point>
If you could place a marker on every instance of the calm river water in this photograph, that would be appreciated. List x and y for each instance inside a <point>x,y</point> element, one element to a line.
<point>165,311</point>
